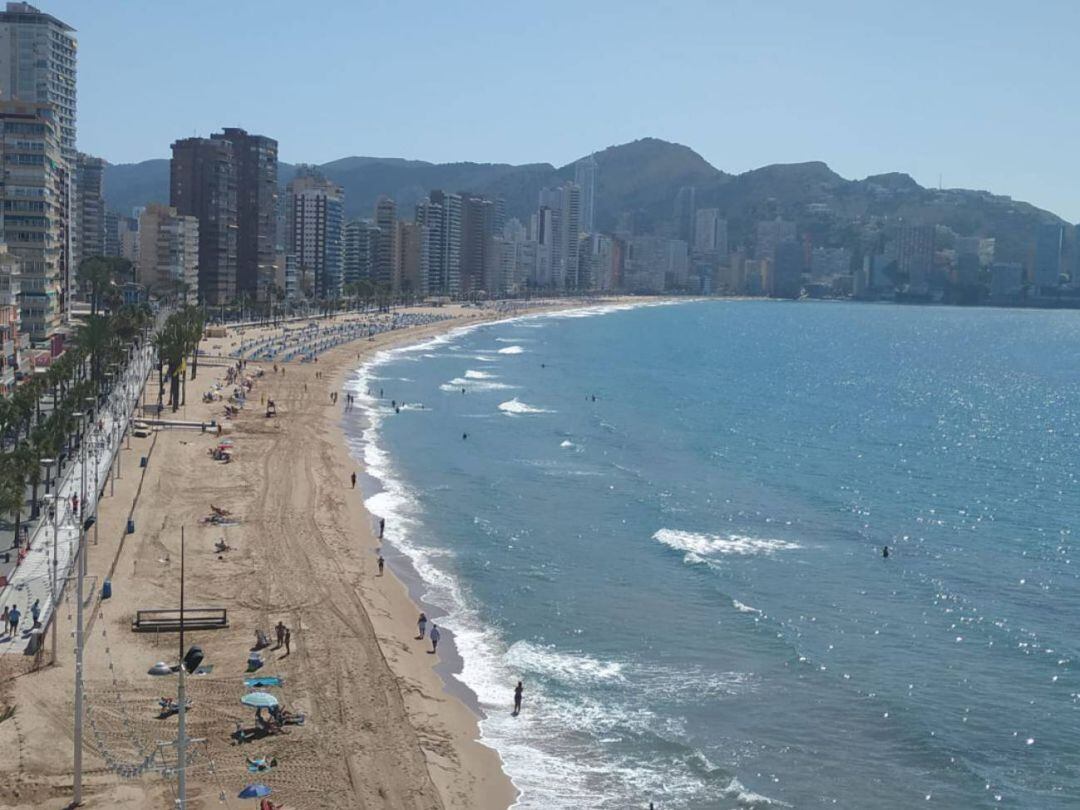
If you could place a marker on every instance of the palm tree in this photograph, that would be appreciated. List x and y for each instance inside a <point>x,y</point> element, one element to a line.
<point>194,321</point>
<point>96,337</point>
<point>95,272</point>
<point>12,494</point>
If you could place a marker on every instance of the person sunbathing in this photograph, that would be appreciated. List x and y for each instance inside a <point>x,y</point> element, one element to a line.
<point>261,764</point>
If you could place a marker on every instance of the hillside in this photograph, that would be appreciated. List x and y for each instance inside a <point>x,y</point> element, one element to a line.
<point>638,184</point>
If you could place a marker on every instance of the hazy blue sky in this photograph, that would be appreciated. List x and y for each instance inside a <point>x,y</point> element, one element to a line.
<point>981,93</point>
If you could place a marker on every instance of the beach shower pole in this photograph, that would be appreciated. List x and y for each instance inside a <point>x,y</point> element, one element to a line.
<point>181,730</point>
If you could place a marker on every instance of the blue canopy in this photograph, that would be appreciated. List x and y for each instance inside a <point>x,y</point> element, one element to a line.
<point>254,792</point>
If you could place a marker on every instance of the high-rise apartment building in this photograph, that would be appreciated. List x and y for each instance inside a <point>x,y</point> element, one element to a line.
<point>228,182</point>
<point>110,244</point>
<point>477,231</point>
<point>37,64</point>
<point>33,210</point>
<point>386,246</point>
<point>202,184</point>
<point>915,256</point>
<point>787,268</point>
<point>710,232</point>
<point>771,233</point>
<point>586,176</point>
<point>168,256</point>
<point>686,213</point>
<point>256,159</point>
<point>441,214</point>
<point>564,222</point>
<point>88,237</point>
<point>315,219</point>
<point>361,244</point>
<point>127,238</point>
<point>413,244</point>
<point>1049,241</point>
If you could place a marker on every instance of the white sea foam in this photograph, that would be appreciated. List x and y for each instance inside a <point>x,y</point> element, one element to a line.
<point>473,374</point>
<point>511,350</point>
<point>512,340</point>
<point>472,384</point>
<point>547,776</point>
<point>567,443</point>
<point>747,798</point>
<point>571,668</point>
<point>700,546</point>
<point>742,608</point>
<point>515,407</point>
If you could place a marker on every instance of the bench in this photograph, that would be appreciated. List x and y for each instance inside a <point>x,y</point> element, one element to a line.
<point>168,621</point>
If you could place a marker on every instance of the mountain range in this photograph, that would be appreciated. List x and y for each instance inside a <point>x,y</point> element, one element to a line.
<point>638,184</point>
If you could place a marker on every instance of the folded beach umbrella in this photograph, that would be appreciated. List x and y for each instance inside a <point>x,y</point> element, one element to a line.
<point>259,700</point>
<point>254,792</point>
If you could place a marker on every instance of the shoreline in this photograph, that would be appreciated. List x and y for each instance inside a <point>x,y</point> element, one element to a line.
<point>448,667</point>
<point>388,726</point>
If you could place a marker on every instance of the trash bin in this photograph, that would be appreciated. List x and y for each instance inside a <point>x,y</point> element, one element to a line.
<point>34,644</point>
<point>106,589</point>
<point>131,526</point>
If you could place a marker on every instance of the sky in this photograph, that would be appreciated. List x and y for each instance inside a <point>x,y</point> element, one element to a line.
<point>968,94</point>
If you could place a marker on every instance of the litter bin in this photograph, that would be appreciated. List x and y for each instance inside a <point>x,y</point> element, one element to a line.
<point>131,526</point>
<point>33,646</point>
<point>106,589</point>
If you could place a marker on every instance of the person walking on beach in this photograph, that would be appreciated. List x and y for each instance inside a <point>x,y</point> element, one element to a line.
<point>4,621</point>
<point>382,527</point>
<point>13,620</point>
<point>279,631</point>
<point>35,612</point>
<point>421,626</point>
<point>353,476</point>
<point>288,639</point>
<point>517,698</point>
<point>382,562</point>
<point>435,636</point>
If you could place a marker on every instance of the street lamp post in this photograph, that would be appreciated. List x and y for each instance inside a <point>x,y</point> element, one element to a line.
<point>55,503</point>
<point>47,464</point>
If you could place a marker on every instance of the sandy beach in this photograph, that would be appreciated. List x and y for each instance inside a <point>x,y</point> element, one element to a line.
<point>381,729</point>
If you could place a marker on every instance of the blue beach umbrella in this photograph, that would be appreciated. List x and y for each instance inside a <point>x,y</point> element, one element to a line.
<point>254,792</point>
<point>259,700</point>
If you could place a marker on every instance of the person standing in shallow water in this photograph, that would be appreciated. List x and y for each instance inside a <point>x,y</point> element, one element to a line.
<point>382,527</point>
<point>885,552</point>
<point>517,698</point>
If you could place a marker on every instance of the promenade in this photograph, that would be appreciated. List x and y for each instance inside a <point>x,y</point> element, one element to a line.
<point>53,544</point>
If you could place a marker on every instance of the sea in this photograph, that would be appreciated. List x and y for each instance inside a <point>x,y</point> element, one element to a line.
<point>668,522</point>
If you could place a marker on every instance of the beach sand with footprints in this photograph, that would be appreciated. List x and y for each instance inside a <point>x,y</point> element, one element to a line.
<point>380,730</point>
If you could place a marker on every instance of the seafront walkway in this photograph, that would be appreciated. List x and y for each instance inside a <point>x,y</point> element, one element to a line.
<point>53,542</point>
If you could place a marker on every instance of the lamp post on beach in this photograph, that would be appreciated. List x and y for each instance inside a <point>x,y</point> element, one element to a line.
<point>181,699</point>
<point>55,504</point>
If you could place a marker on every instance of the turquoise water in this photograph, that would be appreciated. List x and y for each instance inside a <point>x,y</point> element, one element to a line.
<point>686,572</point>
